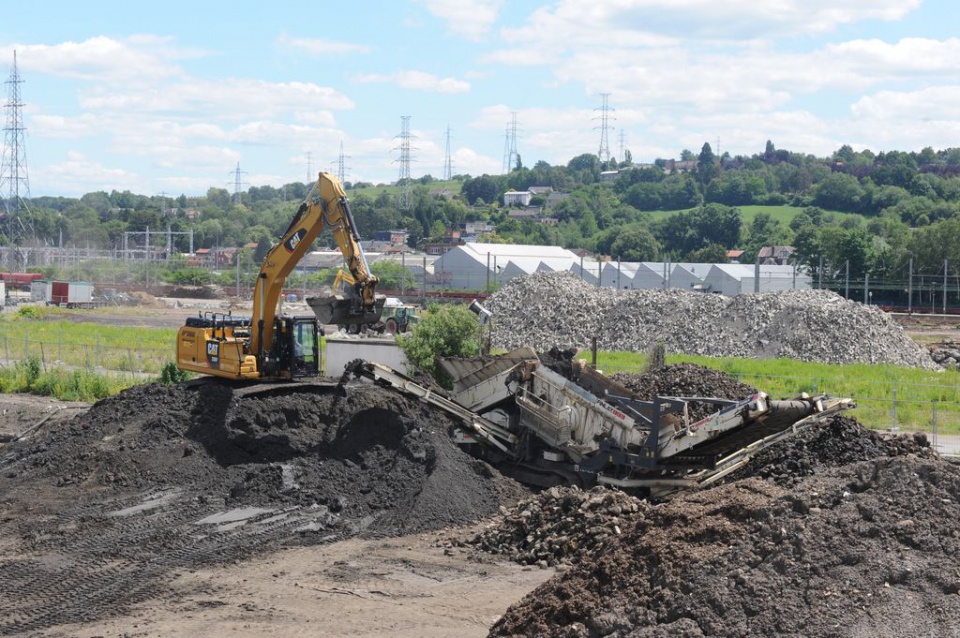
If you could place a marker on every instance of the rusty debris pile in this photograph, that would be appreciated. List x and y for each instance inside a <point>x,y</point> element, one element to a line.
<point>559,309</point>
<point>866,549</point>
<point>558,525</point>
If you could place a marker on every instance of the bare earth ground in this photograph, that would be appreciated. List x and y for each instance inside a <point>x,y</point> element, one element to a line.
<point>404,587</point>
<point>409,586</point>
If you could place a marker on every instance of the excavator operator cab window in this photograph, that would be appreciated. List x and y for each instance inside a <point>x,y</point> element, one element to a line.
<point>305,346</point>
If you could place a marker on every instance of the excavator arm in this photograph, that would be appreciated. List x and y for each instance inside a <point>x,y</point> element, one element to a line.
<point>325,207</point>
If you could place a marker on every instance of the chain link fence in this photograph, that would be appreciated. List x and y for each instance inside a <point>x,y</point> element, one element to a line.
<point>97,354</point>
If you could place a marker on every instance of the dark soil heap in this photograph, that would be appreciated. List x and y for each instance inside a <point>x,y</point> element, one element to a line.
<point>99,513</point>
<point>366,453</point>
<point>686,380</point>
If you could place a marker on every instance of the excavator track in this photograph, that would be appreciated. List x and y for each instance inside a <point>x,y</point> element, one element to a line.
<point>259,388</point>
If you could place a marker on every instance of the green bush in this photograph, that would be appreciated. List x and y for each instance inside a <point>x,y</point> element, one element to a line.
<point>448,330</point>
<point>171,374</point>
<point>30,312</point>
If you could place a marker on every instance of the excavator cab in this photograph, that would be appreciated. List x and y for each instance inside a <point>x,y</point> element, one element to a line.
<point>297,346</point>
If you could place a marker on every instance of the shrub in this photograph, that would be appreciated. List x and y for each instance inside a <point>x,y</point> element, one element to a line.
<point>448,330</point>
<point>171,374</point>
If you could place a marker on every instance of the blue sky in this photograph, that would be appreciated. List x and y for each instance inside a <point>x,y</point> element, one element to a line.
<point>170,97</point>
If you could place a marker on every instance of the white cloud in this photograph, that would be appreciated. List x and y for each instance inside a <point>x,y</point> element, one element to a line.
<point>642,23</point>
<point>136,59</point>
<point>321,47</point>
<point>82,174</point>
<point>471,19</point>
<point>417,80</point>
<point>231,99</point>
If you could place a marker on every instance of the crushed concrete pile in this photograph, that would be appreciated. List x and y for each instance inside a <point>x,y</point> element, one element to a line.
<point>102,512</point>
<point>559,309</point>
<point>866,549</point>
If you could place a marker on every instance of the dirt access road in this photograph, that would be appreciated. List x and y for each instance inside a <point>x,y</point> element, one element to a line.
<point>410,586</point>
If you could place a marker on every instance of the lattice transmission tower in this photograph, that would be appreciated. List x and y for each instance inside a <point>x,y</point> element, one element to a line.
<point>14,180</point>
<point>404,197</point>
<point>604,152</point>
<point>447,161</point>
<point>342,165</point>
<point>238,183</point>
<point>510,153</point>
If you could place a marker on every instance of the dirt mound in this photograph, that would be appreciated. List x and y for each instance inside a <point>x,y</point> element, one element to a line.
<point>368,455</point>
<point>860,550</point>
<point>559,524</point>
<point>101,512</point>
<point>840,441</point>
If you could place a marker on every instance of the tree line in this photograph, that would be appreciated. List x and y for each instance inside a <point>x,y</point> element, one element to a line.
<point>875,216</point>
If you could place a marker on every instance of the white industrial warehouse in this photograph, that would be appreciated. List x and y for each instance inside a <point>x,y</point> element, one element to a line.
<point>475,266</point>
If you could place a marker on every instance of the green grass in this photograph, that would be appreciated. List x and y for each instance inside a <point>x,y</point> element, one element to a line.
<point>783,214</point>
<point>54,340</point>
<point>29,376</point>
<point>886,395</point>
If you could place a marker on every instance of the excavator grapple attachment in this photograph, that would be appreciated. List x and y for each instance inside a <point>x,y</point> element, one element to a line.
<point>345,311</point>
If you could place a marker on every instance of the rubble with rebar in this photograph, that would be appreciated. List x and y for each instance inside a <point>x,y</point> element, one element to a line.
<point>559,309</point>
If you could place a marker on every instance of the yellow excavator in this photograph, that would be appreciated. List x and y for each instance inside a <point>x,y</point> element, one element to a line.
<point>273,346</point>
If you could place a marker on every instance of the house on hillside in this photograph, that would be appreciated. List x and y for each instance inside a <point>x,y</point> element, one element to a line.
<point>517,198</point>
<point>775,255</point>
